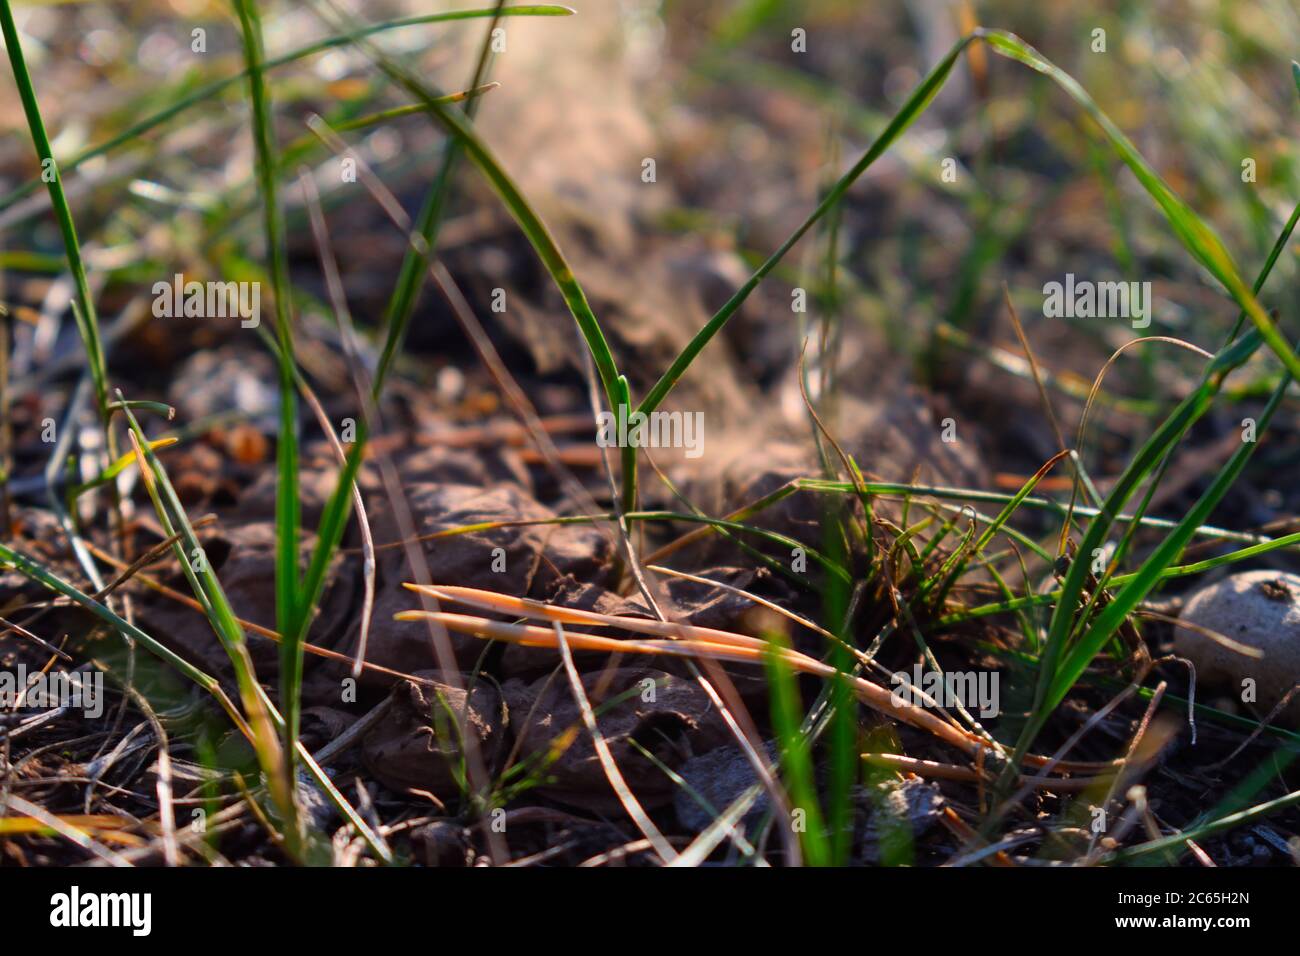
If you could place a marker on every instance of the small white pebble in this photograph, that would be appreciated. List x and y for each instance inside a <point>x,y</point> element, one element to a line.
<point>1256,611</point>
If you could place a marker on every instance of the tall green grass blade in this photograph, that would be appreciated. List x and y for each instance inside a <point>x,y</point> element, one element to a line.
<point>796,757</point>
<point>207,589</point>
<point>338,508</point>
<point>333,522</point>
<point>288,513</point>
<point>31,569</point>
<point>1198,237</point>
<point>87,318</point>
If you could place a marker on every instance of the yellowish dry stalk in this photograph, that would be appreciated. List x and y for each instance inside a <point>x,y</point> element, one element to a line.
<point>952,771</point>
<point>685,640</point>
<point>530,635</point>
<point>524,607</point>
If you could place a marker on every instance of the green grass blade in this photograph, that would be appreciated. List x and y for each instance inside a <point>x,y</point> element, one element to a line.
<point>843,750</point>
<point>87,319</point>
<point>333,521</point>
<point>1178,571</point>
<point>1179,841</point>
<point>207,589</point>
<point>288,507</point>
<point>907,491</point>
<point>414,265</point>
<point>965,555</point>
<point>796,757</point>
<point>776,537</point>
<point>33,570</point>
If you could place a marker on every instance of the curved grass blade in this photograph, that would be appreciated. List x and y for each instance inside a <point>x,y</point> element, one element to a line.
<point>1200,240</point>
<point>31,569</point>
<point>959,566</point>
<point>907,490</point>
<point>212,597</point>
<point>207,590</point>
<point>1178,841</point>
<point>1178,571</point>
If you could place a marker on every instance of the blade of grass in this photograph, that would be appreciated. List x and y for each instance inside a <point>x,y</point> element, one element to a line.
<point>1200,240</point>
<point>87,319</point>
<point>616,781</point>
<point>907,491</point>
<point>288,507</point>
<point>1176,571</point>
<point>83,305</point>
<point>211,595</point>
<point>1178,841</point>
<point>959,566</point>
<point>33,570</point>
<point>843,717</point>
<point>337,510</point>
<point>796,756</point>
<point>207,589</point>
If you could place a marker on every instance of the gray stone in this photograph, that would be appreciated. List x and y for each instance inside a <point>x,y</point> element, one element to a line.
<point>1257,610</point>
